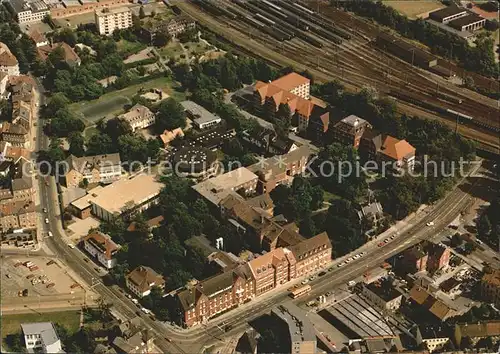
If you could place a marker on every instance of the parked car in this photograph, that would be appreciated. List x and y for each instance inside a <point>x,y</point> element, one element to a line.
<point>381,244</point>
<point>430,223</point>
<point>321,274</point>
<point>46,220</point>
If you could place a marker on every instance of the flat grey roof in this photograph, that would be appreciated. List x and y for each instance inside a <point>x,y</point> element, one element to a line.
<point>466,20</point>
<point>463,34</point>
<point>299,326</point>
<point>447,12</point>
<point>198,113</point>
<point>36,327</point>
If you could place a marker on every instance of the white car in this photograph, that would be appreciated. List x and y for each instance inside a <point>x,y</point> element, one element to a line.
<point>135,301</point>
<point>430,223</point>
<point>46,220</point>
<point>357,256</point>
<point>304,282</point>
<point>145,310</point>
<point>350,259</point>
<point>50,234</point>
<point>70,245</point>
<point>340,265</point>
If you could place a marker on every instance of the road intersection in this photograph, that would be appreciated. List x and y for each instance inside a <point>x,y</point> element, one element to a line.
<point>195,339</point>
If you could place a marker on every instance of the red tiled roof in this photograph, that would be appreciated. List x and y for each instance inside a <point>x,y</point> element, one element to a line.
<point>105,241</point>
<point>290,81</point>
<point>396,149</point>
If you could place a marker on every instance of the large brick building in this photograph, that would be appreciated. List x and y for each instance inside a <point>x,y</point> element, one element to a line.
<point>293,90</point>
<point>490,287</point>
<point>225,291</point>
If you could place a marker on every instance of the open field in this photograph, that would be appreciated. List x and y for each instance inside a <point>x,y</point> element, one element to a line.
<point>172,50</point>
<point>76,20</point>
<point>112,103</point>
<point>11,324</point>
<point>414,9</point>
<point>130,47</point>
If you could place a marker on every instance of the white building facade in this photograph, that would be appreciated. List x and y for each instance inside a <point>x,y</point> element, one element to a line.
<point>108,20</point>
<point>41,336</point>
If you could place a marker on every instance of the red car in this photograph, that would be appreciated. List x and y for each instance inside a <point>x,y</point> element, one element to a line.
<point>381,244</point>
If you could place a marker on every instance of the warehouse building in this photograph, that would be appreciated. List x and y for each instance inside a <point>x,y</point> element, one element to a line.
<point>471,23</point>
<point>448,14</point>
<point>406,51</point>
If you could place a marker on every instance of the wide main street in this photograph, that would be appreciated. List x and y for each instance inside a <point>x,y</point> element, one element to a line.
<point>195,339</point>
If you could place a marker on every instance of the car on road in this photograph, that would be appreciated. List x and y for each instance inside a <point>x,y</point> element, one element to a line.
<point>70,245</point>
<point>46,220</point>
<point>50,234</point>
<point>44,210</point>
<point>430,223</point>
<point>321,274</point>
<point>331,269</point>
<point>386,240</point>
<point>135,301</point>
<point>381,244</point>
<point>392,237</point>
<point>350,259</point>
<point>358,256</point>
<point>304,282</point>
<point>329,293</point>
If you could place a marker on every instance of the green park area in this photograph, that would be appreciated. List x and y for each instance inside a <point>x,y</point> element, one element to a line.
<point>113,103</point>
<point>11,324</point>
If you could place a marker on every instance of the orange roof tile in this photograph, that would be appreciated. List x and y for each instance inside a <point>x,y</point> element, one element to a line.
<point>396,149</point>
<point>290,81</point>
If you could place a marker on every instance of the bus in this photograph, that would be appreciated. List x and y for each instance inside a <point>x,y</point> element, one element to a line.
<point>300,291</point>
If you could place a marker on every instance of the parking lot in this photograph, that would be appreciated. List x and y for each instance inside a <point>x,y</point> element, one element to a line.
<point>46,277</point>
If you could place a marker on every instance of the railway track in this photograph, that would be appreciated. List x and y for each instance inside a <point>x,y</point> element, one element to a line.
<point>352,62</point>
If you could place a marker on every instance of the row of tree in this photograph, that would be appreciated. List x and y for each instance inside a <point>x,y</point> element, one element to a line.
<point>480,59</point>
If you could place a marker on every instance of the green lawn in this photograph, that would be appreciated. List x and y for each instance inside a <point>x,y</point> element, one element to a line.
<point>112,103</point>
<point>327,196</point>
<point>89,132</point>
<point>172,50</point>
<point>197,48</point>
<point>125,46</point>
<point>11,324</point>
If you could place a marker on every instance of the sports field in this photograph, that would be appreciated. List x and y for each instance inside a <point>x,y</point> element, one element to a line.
<point>414,8</point>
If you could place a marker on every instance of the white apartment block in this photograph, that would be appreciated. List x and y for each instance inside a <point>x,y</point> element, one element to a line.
<point>108,20</point>
<point>41,337</point>
<point>29,11</point>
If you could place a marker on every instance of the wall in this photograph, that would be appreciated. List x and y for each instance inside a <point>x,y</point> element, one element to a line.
<point>87,8</point>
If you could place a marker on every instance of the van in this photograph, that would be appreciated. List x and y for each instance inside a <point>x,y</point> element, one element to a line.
<point>351,283</point>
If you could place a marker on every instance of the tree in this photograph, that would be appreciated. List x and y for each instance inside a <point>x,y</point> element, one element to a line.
<point>100,144</point>
<point>76,144</point>
<point>56,102</point>
<point>484,226</point>
<point>161,39</point>
<point>170,116</point>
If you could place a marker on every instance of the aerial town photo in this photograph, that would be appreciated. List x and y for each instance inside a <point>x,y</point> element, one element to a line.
<point>249,176</point>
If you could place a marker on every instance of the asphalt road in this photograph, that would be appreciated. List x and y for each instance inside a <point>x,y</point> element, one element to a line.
<point>193,340</point>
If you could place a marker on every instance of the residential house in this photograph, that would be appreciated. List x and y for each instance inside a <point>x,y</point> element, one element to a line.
<point>215,295</point>
<point>383,294</point>
<point>428,301</point>
<point>490,287</point>
<point>41,336</point>
<point>292,90</point>
<point>94,169</point>
<point>15,135</point>
<point>108,20</point>
<point>139,117</point>
<point>17,215</point>
<point>38,37</point>
<point>151,223</point>
<point>21,114</point>
<point>142,279</point>
<point>399,152</point>
<point>372,212</point>
<point>349,130</point>
<point>439,257</point>
<point>21,180</point>
<point>318,124</point>
<point>8,61</point>
<point>101,247</point>
<point>69,55</point>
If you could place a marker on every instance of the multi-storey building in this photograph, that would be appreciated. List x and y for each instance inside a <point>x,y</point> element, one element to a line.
<point>281,169</point>
<point>17,215</point>
<point>292,90</point>
<point>439,257</point>
<point>108,20</point>
<point>217,294</point>
<point>139,117</point>
<point>102,248</point>
<point>490,287</point>
<point>95,169</point>
<point>349,130</point>
<point>29,11</point>
<point>15,135</point>
<point>142,279</point>
<point>260,275</point>
<point>171,26</point>
<point>8,62</point>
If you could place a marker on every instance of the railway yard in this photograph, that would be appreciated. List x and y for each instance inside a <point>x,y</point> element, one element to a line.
<point>333,44</point>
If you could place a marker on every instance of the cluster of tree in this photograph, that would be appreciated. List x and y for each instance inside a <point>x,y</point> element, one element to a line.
<point>115,135</point>
<point>170,115</point>
<point>190,35</point>
<point>23,47</point>
<point>206,83</point>
<point>298,201</point>
<point>400,196</point>
<point>480,59</point>
<point>80,82</point>
<point>234,151</point>
<point>63,121</point>
<point>488,225</point>
<point>163,248</point>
